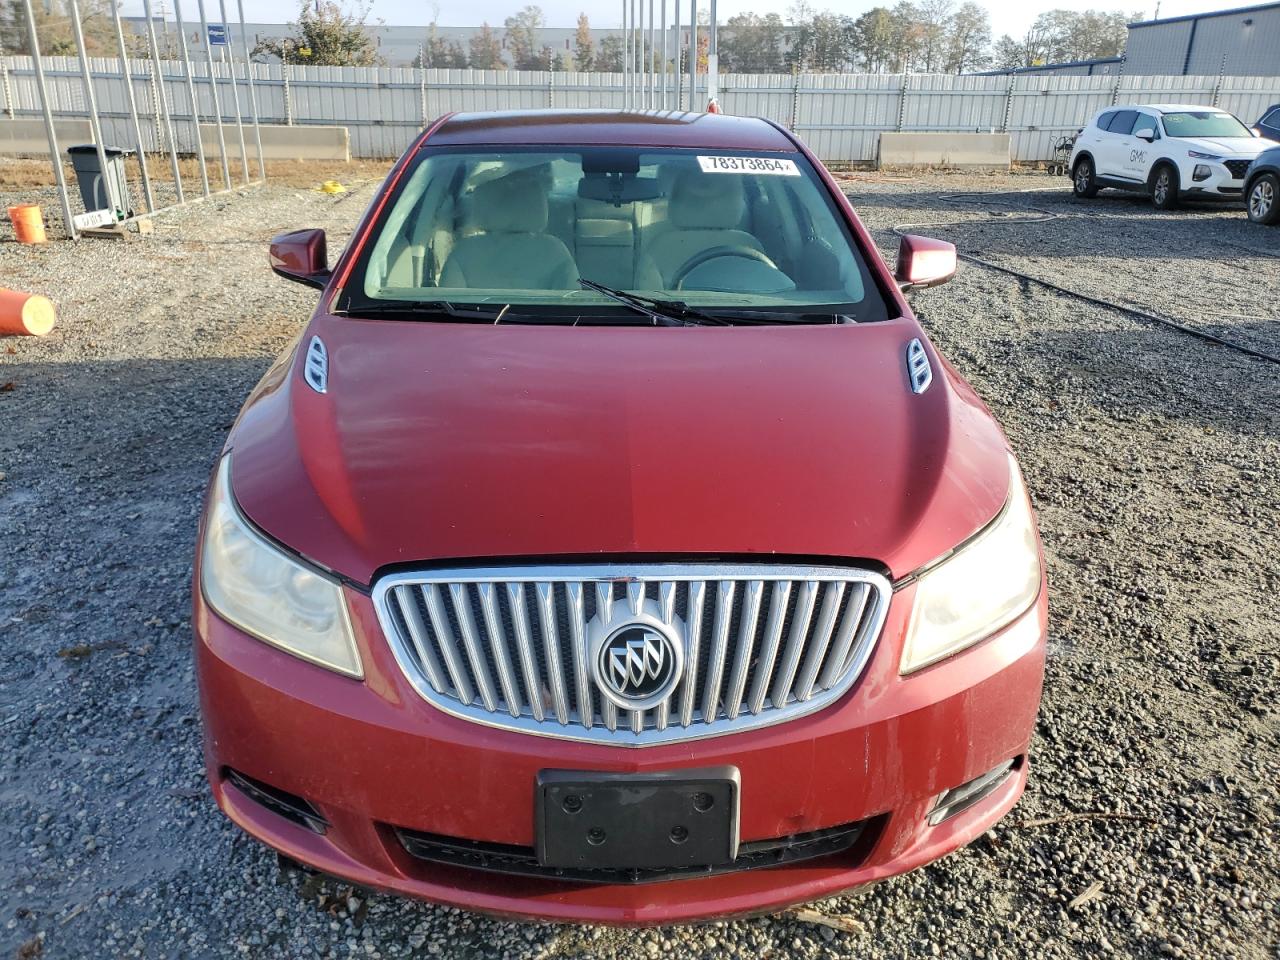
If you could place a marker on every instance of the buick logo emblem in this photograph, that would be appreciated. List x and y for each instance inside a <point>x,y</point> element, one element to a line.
<point>638,666</point>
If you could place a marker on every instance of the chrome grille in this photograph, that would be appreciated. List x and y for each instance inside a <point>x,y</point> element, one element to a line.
<point>514,647</point>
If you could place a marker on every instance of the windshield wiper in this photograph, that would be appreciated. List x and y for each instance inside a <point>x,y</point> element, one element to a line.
<point>432,309</point>
<point>813,317</point>
<point>677,312</point>
<point>663,313</point>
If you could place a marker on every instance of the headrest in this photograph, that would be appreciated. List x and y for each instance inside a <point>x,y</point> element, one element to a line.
<point>707,201</point>
<point>515,203</point>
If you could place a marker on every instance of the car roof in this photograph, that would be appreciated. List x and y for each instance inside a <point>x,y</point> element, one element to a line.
<point>604,127</point>
<point>1183,108</point>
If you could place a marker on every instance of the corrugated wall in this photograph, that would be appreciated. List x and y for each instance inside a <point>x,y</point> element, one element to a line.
<point>1232,46</point>
<point>1160,49</point>
<point>840,115</point>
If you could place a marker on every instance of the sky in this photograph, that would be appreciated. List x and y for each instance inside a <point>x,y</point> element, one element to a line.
<point>1007,16</point>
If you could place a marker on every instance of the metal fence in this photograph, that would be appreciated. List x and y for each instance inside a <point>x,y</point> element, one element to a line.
<point>841,116</point>
<point>75,94</point>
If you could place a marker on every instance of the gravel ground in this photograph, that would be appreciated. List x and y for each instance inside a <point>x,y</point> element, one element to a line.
<point>1154,459</point>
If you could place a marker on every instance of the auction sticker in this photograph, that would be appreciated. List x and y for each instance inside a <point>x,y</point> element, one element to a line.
<point>773,166</point>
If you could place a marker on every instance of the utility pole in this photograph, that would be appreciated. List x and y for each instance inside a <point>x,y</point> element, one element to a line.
<point>693,55</point>
<point>713,59</point>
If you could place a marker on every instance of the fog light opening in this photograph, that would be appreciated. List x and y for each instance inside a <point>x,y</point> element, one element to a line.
<point>287,805</point>
<point>1201,172</point>
<point>961,798</point>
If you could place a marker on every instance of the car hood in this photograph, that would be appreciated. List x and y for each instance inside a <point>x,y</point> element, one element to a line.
<point>1244,147</point>
<point>458,441</point>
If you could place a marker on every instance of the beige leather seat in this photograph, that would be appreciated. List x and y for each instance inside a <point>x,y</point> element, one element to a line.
<point>513,251</point>
<point>706,210</point>
<point>605,242</point>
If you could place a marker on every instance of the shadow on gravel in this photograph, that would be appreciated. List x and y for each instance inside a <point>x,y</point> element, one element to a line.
<point>1169,375</point>
<point>105,464</point>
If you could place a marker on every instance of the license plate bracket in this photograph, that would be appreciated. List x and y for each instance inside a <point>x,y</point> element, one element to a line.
<point>619,821</point>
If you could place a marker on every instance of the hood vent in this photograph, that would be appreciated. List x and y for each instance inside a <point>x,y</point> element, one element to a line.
<point>316,369</point>
<point>919,372</point>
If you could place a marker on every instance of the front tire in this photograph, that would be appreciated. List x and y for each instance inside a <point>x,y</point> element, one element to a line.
<point>1083,182</point>
<point>1164,188</point>
<point>1263,200</point>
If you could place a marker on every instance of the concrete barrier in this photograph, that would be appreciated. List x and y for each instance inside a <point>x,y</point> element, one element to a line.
<point>280,143</point>
<point>25,137</point>
<point>971,151</point>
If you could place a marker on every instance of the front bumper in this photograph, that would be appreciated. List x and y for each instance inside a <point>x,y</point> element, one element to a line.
<point>1220,184</point>
<point>373,759</point>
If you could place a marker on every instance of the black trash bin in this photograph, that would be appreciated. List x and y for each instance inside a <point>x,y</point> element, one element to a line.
<point>102,190</point>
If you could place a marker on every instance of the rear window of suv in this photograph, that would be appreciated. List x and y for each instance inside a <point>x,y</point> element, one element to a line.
<point>1122,122</point>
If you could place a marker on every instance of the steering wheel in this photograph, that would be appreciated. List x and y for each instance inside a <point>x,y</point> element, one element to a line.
<point>715,253</point>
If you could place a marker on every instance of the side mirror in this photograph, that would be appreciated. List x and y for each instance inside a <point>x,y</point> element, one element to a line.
<point>1146,134</point>
<point>301,256</point>
<point>924,262</point>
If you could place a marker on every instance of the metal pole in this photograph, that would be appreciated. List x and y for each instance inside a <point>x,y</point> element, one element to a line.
<point>648,59</point>
<point>253,95</point>
<point>664,55</point>
<point>213,89</point>
<point>127,75</point>
<point>640,79</point>
<point>5,90</point>
<point>191,92</point>
<point>626,57</point>
<point>229,50</point>
<point>288,97</point>
<point>49,132</point>
<point>713,58</point>
<point>90,101</point>
<point>162,99</point>
<point>693,57</point>
<point>635,60</point>
<point>677,73</point>
<point>422,82</point>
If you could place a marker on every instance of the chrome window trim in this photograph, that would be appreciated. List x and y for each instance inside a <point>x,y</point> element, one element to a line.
<point>669,731</point>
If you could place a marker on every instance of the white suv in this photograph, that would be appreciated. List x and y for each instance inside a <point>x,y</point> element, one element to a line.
<point>1165,150</point>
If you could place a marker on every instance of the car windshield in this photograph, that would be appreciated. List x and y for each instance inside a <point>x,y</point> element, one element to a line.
<point>1204,124</point>
<point>521,228</point>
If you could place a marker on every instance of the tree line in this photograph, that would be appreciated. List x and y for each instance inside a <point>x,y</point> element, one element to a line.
<point>929,36</point>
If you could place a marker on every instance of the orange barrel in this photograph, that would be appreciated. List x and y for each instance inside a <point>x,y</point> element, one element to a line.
<point>25,314</point>
<point>28,223</point>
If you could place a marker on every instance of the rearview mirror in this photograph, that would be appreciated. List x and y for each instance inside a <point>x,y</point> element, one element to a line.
<point>924,262</point>
<point>618,188</point>
<point>301,256</point>
<point>1147,134</point>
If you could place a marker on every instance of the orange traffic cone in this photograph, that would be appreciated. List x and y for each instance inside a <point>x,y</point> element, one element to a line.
<point>28,223</point>
<point>25,314</point>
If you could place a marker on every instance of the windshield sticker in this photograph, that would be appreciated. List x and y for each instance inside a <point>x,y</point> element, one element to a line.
<point>766,165</point>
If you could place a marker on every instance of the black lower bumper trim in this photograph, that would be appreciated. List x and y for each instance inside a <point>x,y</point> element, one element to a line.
<point>522,861</point>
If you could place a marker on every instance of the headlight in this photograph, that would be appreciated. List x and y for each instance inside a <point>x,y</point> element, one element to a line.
<point>1195,155</point>
<point>267,593</point>
<point>985,586</point>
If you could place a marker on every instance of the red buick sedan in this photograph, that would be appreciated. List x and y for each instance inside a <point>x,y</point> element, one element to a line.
<point>613,545</point>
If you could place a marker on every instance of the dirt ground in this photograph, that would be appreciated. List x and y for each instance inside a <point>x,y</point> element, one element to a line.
<point>1151,825</point>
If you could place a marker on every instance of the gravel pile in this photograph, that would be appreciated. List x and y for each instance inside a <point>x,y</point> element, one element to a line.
<point>1150,827</point>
